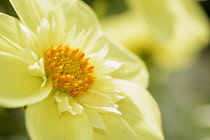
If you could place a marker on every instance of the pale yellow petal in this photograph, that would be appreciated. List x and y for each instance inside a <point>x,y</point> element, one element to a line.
<point>104,85</point>
<point>171,45</point>
<point>157,17</point>
<point>188,39</point>
<point>43,122</point>
<point>133,68</point>
<point>117,128</point>
<point>67,103</point>
<point>98,102</point>
<point>16,39</point>
<point>98,56</point>
<point>107,66</point>
<point>100,135</point>
<point>9,34</point>
<point>18,88</point>
<point>79,16</point>
<point>32,12</point>
<point>140,110</point>
<point>95,119</point>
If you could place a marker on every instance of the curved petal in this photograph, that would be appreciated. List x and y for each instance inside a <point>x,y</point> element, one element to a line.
<point>9,34</point>
<point>133,68</point>
<point>116,128</point>
<point>98,102</point>
<point>98,56</point>
<point>44,123</point>
<point>140,110</point>
<point>67,103</point>
<point>15,38</point>
<point>32,12</point>
<point>84,19</point>
<point>100,135</point>
<point>105,67</point>
<point>80,19</point>
<point>95,119</point>
<point>156,18</point>
<point>135,37</point>
<point>182,45</point>
<point>18,88</point>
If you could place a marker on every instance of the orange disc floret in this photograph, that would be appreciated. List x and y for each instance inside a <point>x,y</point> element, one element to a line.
<point>69,70</point>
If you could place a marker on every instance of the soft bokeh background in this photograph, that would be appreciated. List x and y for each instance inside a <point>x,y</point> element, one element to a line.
<point>183,96</point>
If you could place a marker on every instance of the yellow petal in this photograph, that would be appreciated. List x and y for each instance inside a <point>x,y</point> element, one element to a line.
<point>9,34</point>
<point>15,38</point>
<point>107,67</point>
<point>78,13</point>
<point>156,14</point>
<point>140,111</point>
<point>43,122</point>
<point>188,39</point>
<point>67,103</point>
<point>172,44</point>
<point>135,37</point>
<point>100,135</point>
<point>133,68</point>
<point>80,17</point>
<point>98,103</point>
<point>100,55</point>
<point>32,12</point>
<point>18,88</point>
<point>116,128</point>
<point>95,119</point>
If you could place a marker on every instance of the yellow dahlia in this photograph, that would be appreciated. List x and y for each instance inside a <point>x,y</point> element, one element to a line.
<point>76,83</point>
<point>171,32</point>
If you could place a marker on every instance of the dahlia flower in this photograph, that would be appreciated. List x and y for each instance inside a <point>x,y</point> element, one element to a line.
<point>76,83</point>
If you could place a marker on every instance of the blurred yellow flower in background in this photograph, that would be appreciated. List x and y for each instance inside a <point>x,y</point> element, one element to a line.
<point>75,82</point>
<point>171,32</point>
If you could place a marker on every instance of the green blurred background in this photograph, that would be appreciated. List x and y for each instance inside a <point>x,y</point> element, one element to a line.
<point>183,96</point>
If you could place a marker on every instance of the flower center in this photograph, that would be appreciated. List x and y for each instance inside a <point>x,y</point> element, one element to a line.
<point>69,70</point>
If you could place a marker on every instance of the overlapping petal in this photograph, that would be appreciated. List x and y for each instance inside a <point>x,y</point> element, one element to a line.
<point>133,68</point>
<point>53,114</point>
<point>140,111</point>
<point>18,88</point>
<point>44,122</point>
<point>117,128</point>
<point>9,34</point>
<point>163,33</point>
<point>16,39</point>
<point>80,19</point>
<point>151,12</point>
<point>31,12</point>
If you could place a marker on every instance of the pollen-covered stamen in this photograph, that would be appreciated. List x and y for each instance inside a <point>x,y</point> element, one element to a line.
<point>69,70</point>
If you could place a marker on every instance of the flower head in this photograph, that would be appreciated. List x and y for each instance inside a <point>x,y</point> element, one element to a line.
<point>75,82</point>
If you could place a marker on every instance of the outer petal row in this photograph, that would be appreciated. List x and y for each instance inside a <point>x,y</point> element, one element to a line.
<point>140,119</point>
<point>15,38</point>
<point>44,123</point>
<point>17,87</point>
<point>32,12</point>
<point>133,68</point>
<point>140,110</point>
